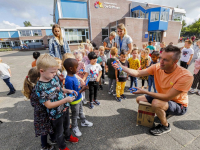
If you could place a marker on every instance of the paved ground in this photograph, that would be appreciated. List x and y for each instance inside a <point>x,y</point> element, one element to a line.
<point>114,122</point>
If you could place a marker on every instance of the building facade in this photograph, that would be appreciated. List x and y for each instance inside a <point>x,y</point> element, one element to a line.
<point>94,20</point>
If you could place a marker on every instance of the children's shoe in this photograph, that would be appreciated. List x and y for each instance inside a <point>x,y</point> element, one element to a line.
<point>72,139</point>
<point>101,87</point>
<point>96,102</point>
<point>109,92</point>
<point>84,101</point>
<point>91,105</point>
<point>118,99</point>
<point>114,94</point>
<point>64,149</point>
<point>53,142</point>
<point>198,92</point>
<point>78,117</point>
<point>11,92</point>
<point>76,131</point>
<point>86,124</point>
<point>48,147</point>
<point>123,96</point>
<point>192,90</point>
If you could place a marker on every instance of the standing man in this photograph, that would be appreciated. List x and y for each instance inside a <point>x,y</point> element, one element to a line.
<point>172,84</point>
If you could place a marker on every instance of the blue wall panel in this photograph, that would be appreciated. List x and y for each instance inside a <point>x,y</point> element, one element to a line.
<point>74,9</point>
<point>4,34</point>
<point>14,34</point>
<point>49,32</point>
<point>56,13</point>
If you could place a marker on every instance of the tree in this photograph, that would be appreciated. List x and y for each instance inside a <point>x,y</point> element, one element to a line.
<point>183,23</point>
<point>27,23</point>
<point>51,25</point>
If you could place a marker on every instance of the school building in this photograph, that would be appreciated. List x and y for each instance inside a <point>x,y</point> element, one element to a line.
<point>94,20</point>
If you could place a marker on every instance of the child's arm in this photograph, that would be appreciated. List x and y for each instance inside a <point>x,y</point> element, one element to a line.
<point>9,71</point>
<point>83,88</point>
<point>69,91</point>
<point>85,76</point>
<point>116,73</point>
<point>82,81</point>
<point>191,56</point>
<point>99,76</point>
<point>51,105</point>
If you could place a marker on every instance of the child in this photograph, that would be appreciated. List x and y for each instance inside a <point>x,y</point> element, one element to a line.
<point>196,77</point>
<point>53,97</point>
<point>104,59</point>
<point>154,57</point>
<point>60,75</point>
<point>150,47</point>
<point>5,74</point>
<point>35,56</point>
<point>187,54</point>
<point>111,71</point>
<point>144,64</point>
<point>81,74</point>
<point>71,82</point>
<point>41,118</point>
<point>134,64</point>
<point>94,70</point>
<point>121,77</point>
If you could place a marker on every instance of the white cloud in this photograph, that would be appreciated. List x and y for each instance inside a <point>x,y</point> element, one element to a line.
<point>8,25</point>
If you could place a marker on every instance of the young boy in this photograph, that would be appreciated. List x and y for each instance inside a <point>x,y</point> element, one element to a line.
<point>94,70</point>
<point>35,56</point>
<point>72,83</point>
<point>121,77</point>
<point>187,54</point>
<point>150,47</point>
<point>104,59</point>
<point>111,71</point>
<point>53,97</point>
<point>154,57</point>
<point>134,64</point>
<point>5,74</point>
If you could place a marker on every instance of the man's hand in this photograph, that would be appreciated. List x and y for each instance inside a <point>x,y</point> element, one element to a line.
<point>139,91</point>
<point>117,65</point>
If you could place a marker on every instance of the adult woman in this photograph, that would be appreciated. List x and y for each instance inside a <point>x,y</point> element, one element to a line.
<point>196,49</point>
<point>108,43</point>
<point>57,45</point>
<point>122,40</point>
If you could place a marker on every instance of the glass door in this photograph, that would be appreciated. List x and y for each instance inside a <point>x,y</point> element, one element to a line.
<point>155,36</point>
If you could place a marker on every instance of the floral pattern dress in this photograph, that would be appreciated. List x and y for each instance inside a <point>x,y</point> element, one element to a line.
<point>144,65</point>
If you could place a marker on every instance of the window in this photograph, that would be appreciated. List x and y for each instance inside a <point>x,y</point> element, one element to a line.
<point>104,33</point>
<point>113,29</point>
<point>135,14</point>
<point>154,16</point>
<point>16,43</point>
<point>147,15</point>
<point>164,16</point>
<point>142,15</point>
<point>5,44</point>
<point>76,35</point>
<point>37,41</point>
<point>25,32</point>
<point>37,32</point>
<point>27,41</point>
<point>177,17</point>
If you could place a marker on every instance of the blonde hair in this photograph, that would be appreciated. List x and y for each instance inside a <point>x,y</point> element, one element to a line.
<point>58,60</point>
<point>113,51</point>
<point>163,43</point>
<point>147,50</point>
<point>81,46</point>
<point>88,41</point>
<point>60,40</point>
<point>102,47</point>
<point>189,41</point>
<point>65,56</point>
<point>46,61</point>
<point>144,45</point>
<point>113,33</point>
<point>79,55</point>
<point>122,27</point>
<point>30,81</point>
<point>196,43</point>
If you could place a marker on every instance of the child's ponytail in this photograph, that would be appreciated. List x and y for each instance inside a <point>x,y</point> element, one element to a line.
<point>30,82</point>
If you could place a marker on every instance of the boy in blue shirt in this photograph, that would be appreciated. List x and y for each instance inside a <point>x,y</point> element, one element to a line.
<point>72,83</point>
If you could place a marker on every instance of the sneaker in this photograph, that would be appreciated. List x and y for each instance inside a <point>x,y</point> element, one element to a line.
<point>64,149</point>
<point>53,142</point>
<point>76,131</point>
<point>48,147</point>
<point>78,117</point>
<point>160,129</point>
<point>72,139</point>
<point>84,101</point>
<point>91,105</point>
<point>114,94</point>
<point>198,92</point>
<point>96,102</point>
<point>123,96</point>
<point>192,90</point>
<point>11,92</point>
<point>86,124</point>
<point>118,99</point>
<point>101,87</point>
<point>109,92</point>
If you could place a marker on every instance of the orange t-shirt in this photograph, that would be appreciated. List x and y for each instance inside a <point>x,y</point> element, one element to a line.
<point>34,63</point>
<point>181,80</point>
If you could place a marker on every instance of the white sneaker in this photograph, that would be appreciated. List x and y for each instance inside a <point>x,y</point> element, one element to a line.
<point>192,90</point>
<point>78,117</point>
<point>86,124</point>
<point>110,92</point>
<point>84,101</point>
<point>76,131</point>
<point>198,92</point>
<point>114,94</point>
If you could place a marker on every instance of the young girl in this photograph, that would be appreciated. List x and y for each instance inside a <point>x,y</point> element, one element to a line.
<point>144,64</point>
<point>104,59</point>
<point>196,77</point>
<point>42,122</point>
<point>81,72</point>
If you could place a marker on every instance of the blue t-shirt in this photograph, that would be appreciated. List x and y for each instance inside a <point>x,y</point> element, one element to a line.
<point>72,83</point>
<point>52,91</point>
<point>99,60</point>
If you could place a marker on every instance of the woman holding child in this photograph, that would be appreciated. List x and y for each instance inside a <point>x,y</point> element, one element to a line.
<point>57,45</point>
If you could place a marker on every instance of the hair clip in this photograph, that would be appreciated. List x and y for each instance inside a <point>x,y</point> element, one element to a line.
<point>26,76</point>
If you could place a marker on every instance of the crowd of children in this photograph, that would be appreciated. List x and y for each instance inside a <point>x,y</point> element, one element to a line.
<point>54,85</point>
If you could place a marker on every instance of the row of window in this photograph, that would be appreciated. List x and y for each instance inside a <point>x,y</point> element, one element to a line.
<point>30,33</point>
<point>17,43</point>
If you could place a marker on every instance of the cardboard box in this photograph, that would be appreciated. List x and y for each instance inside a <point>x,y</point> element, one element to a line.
<point>145,116</point>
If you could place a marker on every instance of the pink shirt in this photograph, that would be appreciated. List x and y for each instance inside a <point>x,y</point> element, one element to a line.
<point>197,66</point>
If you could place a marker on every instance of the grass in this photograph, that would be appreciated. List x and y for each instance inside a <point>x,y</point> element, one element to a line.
<point>5,49</point>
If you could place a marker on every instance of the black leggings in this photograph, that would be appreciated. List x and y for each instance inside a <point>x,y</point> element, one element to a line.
<point>144,81</point>
<point>93,88</point>
<point>102,76</point>
<point>184,64</point>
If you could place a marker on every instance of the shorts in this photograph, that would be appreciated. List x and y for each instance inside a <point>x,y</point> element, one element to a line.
<point>175,109</point>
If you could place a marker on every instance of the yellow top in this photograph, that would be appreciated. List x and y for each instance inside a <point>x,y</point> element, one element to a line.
<point>134,63</point>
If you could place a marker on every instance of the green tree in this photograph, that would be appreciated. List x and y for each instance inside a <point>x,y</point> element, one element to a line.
<point>27,23</point>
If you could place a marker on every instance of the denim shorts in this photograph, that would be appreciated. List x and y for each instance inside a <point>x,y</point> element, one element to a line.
<point>174,108</point>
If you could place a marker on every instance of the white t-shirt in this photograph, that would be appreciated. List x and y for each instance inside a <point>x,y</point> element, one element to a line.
<point>64,73</point>
<point>185,56</point>
<point>4,73</point>
<point>93,71</point>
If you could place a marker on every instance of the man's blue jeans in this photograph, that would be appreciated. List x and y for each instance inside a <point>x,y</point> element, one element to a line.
<point>150,83</point>
<point>7,81</point>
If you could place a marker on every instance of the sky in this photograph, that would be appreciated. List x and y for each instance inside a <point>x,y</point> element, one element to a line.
<point>38,12</point>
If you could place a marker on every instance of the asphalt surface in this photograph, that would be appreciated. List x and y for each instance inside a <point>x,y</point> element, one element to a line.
<point>114,122</point>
